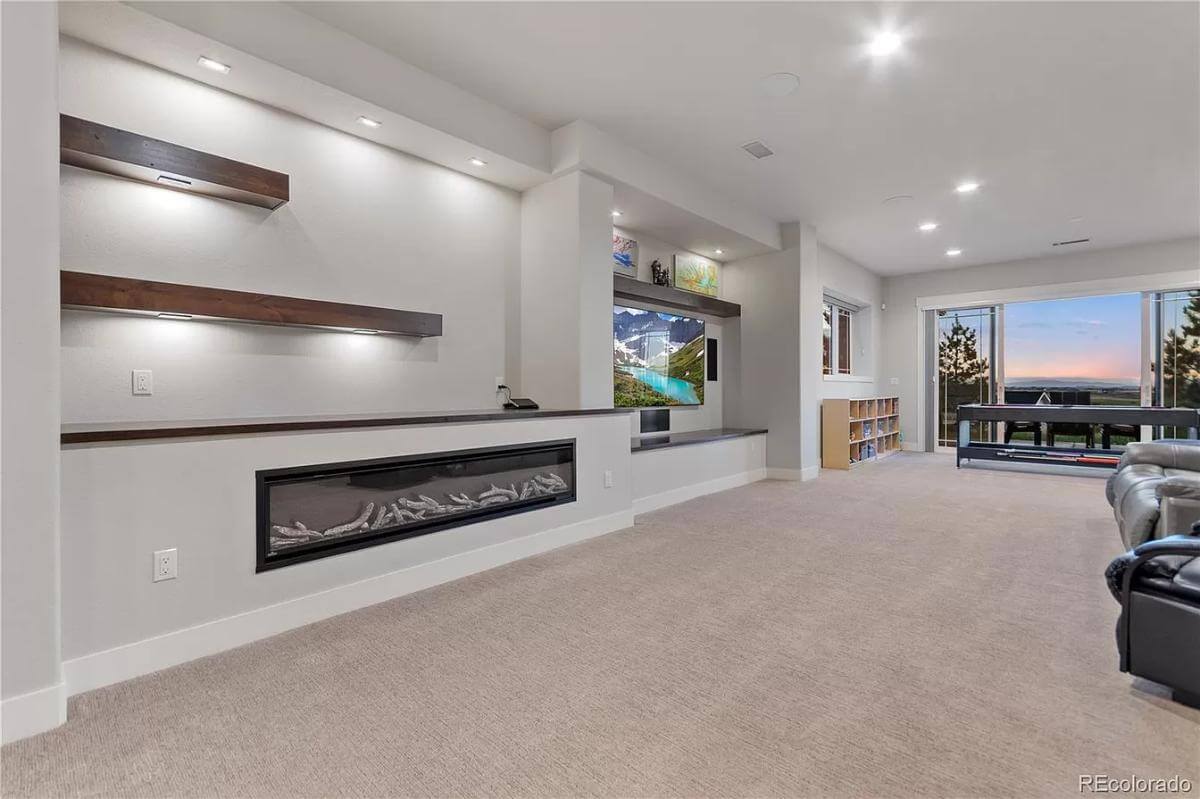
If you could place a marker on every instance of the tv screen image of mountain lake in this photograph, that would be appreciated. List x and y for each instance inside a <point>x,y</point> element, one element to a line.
<point>658,359</point>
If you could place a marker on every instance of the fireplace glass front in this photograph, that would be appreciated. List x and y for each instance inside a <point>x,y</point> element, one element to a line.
<point>310,512</point>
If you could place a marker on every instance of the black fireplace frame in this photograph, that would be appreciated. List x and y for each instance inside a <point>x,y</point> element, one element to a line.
<point>264,478</point>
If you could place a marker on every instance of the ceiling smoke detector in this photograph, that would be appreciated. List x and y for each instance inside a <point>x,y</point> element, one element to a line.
<point>758,149</point>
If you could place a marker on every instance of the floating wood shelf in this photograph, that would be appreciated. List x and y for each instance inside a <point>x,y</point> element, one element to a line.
<point>626,288</point>
<point>130,155</point>
<point>129,295</point>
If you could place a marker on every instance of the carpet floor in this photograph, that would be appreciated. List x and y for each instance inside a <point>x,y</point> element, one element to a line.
<point>906,629</point>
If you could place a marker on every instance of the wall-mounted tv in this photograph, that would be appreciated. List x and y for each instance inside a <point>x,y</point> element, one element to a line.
<point>658,359</point>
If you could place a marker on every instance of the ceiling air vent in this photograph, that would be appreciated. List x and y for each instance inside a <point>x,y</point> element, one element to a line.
<point>758,149</point>
<point>1068,243</point>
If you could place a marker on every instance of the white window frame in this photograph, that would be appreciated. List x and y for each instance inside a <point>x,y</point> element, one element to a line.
<point>834,368</point>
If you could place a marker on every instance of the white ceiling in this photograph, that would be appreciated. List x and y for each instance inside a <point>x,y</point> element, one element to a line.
<point>1060,110</point>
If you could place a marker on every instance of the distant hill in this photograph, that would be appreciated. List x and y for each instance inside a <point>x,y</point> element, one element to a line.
<point>1073,382</point>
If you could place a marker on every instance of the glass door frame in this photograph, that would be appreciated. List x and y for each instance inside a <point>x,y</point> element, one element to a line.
<point>995,356</point>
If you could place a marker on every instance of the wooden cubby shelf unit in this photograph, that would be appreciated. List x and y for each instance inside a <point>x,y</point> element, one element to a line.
<point>90,145</point>
<point>82,291</point>
<point>627,288</point>
<point>857,431</point>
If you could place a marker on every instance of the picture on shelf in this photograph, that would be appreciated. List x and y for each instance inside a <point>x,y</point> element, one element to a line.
<point>695,273</point>
<point>658,359</point>
<point>659,274</point>
<point>625,255</point>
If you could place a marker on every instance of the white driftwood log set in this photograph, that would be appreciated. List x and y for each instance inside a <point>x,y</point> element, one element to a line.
<point>404,511</point>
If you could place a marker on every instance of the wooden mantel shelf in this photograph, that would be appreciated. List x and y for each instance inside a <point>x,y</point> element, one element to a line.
<point>113,151</point>
<point>627,288</point>
<point>82,291</point>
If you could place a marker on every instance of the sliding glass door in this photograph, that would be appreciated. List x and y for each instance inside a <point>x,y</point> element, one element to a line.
<point>1176,366</point>
<point>966,369</point>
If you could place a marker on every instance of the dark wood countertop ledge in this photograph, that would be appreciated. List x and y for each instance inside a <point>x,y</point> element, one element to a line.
<point>90,433</point>
<point>651,442</point>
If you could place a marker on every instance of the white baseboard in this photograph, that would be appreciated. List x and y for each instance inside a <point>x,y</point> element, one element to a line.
<point>911,446</point>
<point>677,495</point>
<point>797,475</point>
<point>143,657</point>
<point>34,712</point>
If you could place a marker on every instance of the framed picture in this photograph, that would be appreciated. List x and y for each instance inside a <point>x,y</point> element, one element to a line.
<point>695,273</point>
<point>625,255</point>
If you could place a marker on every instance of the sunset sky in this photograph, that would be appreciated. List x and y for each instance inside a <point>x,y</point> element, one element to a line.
<point>1095,337</point>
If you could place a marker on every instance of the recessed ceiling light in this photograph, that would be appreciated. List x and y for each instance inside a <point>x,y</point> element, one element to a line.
<point>925,227</point>
<point>779,84</point>
<point>171,181</point>
<point>966,187</point>
<point>954,253</point>
<point>476,161</point>
<point>180,316</point>
<point>719,251</point>
<point>884,44</point>
<point>615,213</point>
<point>370,123</point>
<point>215,66</point>
<point>365,332</point>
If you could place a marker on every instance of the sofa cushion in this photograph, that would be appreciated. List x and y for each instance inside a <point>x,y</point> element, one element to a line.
<point>1175,576</point>
<point>1135,502</point>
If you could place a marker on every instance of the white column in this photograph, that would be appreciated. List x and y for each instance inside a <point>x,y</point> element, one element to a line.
<point>34,698</point>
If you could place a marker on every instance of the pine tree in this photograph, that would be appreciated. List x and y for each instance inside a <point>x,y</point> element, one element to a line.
<point>1181,359</point>
<point>958,356</point>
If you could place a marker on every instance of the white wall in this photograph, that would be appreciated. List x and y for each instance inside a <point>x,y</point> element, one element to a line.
<point>667,476</point>
<point>30,674</point>
<point>1118,268</point>
<point>123,502</point>
<point>566,293</point>
<point>711,414</point>
<point>851,282</point>
<point>365,224</point>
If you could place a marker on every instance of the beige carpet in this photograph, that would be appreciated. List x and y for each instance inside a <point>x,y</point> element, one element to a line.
<point>903,630</point>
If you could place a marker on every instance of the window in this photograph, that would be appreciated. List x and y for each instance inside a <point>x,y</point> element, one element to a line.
<point>836,337</point>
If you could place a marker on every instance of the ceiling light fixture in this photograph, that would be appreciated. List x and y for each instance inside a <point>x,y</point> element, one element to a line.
<point>615,213</point>
<point>370,123</point>
<point>719,251</point>
<point>925,227</point>
<point>215,66</point>
<point>966,187</point>
<point>172,181</point>
<point>476,161</point>
<point>954,253</point>
<point>179,316</point>
<point>779,84</point>
<point>884,44</point>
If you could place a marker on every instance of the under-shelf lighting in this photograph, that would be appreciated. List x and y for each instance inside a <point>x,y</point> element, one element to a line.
<point>179,316</point>
<point>365,332</point>
<point>168,180</point>
<point>215,66</point>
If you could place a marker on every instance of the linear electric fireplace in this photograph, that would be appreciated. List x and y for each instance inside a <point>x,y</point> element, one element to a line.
<point>309,512</point>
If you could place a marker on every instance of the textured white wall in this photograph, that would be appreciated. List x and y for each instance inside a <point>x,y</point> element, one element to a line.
<point>29,404</point>
<point>901,348</point>
<point>365,224</point>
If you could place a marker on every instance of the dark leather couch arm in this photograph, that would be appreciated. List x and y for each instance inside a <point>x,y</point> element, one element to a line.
<point>1171,549</point>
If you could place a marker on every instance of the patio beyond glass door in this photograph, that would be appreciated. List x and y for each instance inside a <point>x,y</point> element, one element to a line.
<point>966,369</point>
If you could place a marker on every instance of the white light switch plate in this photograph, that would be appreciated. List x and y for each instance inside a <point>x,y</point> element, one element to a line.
<point>166,564</point>
<point>608,478</point>
<point>143,382</point>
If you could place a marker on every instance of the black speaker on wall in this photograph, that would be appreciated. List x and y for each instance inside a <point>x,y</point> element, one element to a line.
<point>710,352</point>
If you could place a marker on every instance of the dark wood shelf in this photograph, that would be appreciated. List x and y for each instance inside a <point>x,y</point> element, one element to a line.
<point>100,432</point>
<point>91,145</point>
<point>627,288</point>
<point>84,291</point>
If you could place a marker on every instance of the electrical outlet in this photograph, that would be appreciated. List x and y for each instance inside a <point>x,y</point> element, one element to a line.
<point>608,481</point>
<point>143,382</point>
<point>166,564</point>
